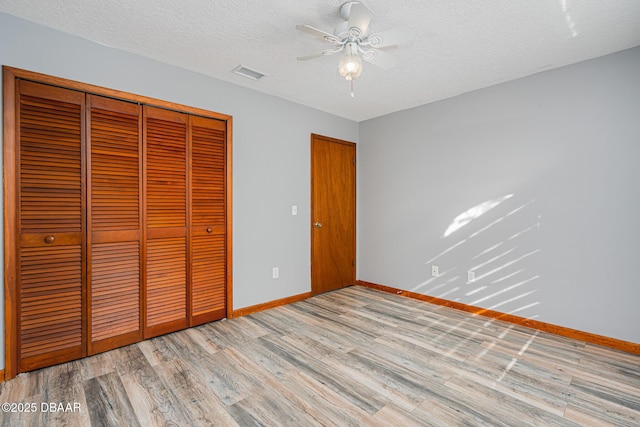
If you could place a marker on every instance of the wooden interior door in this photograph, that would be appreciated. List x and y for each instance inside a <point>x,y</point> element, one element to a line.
<point>114,141</point>
<point>165,133</point>
<point>51,226</point>
<point>208,220</point>
<point>333,213</point>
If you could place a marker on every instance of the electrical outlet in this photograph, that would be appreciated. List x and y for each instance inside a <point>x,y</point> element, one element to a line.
<point>471,276</point>
<point>434,271</point>
<point>275,272</point>
<point>294,210</point>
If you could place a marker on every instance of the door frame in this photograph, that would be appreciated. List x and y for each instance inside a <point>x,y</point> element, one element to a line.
<point>315,137</point>
<point>10,144</point>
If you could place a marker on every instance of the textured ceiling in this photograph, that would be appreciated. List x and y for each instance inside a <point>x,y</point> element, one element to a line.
<point>459,45</point>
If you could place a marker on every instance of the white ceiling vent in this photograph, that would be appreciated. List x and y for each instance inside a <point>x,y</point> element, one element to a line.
<point>243,71</point>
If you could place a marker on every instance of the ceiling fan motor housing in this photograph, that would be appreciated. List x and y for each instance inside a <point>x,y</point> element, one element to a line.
<point>345,9</point>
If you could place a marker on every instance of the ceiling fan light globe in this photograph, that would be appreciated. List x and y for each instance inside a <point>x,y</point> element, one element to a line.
<point>350,65</point>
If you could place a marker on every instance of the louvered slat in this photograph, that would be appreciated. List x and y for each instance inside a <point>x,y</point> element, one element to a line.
<point>50,297</point>
<point>208,218</point>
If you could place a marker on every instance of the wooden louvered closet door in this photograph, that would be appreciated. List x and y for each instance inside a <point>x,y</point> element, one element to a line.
<point>208,220</point>
<point>117,219</point>
<point>165,133</point>
<point>114,220</point>
<point>51,226</point>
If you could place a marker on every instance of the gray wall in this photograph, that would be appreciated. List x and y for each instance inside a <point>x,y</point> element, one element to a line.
<point>540,177</point>
<point>271,143</point>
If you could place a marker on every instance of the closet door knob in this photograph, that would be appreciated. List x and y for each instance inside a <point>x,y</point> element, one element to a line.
<point>49,239</point>
<point>317,224</point>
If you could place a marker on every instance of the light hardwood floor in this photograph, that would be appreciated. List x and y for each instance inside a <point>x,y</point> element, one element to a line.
<point>350,357</point>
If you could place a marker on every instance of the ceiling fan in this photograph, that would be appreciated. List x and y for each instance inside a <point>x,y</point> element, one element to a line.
<point>354,39</point>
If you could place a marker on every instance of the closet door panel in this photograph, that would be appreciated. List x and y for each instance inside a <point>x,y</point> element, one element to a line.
<point>115,217</point>
<point>208,219</point>
<point>166,136</point>
<point>51,225</point>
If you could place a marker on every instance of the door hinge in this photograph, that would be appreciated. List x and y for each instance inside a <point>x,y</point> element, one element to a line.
<point>353,160</point>
<point>353,263</point>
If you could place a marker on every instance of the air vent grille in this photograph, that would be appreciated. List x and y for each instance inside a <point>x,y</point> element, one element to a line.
<point>243,71</point>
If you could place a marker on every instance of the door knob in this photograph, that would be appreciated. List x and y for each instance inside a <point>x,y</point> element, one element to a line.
<point>49,239</point>
<point>209,230</point>
<point>317,224</point>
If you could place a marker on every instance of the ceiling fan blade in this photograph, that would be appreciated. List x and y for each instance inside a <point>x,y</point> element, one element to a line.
<point>308,57</point>
<point>318,55</point>
<point>393,37</point>
<point>379,58</point>
<point>359,19</point>
<point>318,33</point>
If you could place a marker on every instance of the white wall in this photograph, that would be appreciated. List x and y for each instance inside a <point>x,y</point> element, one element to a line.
<point>564,247</point>
<point>271,149</point>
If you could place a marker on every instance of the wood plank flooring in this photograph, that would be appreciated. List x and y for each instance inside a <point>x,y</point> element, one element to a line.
<point>351,357</point>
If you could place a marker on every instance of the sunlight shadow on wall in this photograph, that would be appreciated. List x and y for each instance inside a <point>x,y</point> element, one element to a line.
<point>476,290</point>
<point>446,251</point>
<point>473,213</point>
<point>503,290</point>
<point>493,268</point>
<point>499,220</point>
<point>507,264</point>
<point>485,228</point>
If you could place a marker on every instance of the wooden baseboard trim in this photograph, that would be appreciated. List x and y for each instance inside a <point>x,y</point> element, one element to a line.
<point>271,304</point>
<point>614,343</point>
